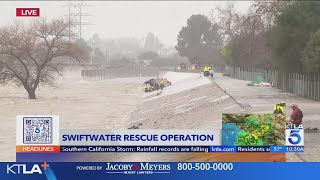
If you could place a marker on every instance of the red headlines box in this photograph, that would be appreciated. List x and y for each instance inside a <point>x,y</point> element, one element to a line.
<point>33,148</point>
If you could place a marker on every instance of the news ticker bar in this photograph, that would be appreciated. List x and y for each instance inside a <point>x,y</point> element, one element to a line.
<point>159,170</point>
<point>176,149</point>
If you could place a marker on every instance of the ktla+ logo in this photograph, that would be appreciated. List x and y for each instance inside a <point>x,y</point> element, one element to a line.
<point>26,169</point>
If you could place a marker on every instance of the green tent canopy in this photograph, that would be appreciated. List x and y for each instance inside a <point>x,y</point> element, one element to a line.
<point>257,80</point>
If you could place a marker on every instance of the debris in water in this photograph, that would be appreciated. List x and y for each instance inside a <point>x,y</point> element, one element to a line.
<point>311,130</point>
<point>134,127</point>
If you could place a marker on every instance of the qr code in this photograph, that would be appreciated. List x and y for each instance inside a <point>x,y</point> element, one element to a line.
<point>37,130</point>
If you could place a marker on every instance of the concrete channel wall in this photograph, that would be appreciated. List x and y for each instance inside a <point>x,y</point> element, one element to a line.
<point>125,71</point>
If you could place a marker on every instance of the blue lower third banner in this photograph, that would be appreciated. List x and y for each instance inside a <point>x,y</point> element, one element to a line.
<point>167,149</point>
<point>159,170</point>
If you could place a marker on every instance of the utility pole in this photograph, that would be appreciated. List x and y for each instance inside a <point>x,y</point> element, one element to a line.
<point>76,16</point>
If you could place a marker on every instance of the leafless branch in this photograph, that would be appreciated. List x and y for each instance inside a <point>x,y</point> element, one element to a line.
<point>27,53</point>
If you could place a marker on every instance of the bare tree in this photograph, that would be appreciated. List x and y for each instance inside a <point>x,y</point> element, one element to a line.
<point>228,20</point>
<point>259,18</point>
<point>28,52</point>
<point>263,13</point>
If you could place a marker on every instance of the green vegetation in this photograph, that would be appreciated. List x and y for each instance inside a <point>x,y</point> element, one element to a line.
<point>311,53</point>
<point>200,40</point>
<point>257,129</point>
<point>292,39</point>
<point>282,35</point>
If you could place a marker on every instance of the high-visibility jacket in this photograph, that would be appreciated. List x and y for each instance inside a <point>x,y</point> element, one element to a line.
<point>278,109</point>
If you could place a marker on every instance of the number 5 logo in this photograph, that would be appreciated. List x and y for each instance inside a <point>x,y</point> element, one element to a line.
<point>294,137</point>
<point>37,130</point>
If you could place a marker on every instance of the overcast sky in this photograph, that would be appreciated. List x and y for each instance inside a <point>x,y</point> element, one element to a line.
<point>114,19</point>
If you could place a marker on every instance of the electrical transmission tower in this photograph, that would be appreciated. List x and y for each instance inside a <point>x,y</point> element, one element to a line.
<point>76,16</point>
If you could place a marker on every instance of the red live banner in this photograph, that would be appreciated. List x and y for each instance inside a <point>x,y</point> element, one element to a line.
<point>27,11</point>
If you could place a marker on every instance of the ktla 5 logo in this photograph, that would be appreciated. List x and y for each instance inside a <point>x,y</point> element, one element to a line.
<point>295,137</point>
<point>24,169</point>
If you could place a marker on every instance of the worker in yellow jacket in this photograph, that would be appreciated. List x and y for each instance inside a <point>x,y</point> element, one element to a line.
<point>279,108</point>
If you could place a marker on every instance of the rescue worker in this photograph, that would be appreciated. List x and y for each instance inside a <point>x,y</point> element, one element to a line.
<point>296,116</point>
<point>211,73</point>
<point>206,71</point>
<point>279,112</point>
<point>161,84</point>
<point>279,108</point>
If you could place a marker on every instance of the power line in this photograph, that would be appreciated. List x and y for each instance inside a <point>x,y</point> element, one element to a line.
<point>76,16</point>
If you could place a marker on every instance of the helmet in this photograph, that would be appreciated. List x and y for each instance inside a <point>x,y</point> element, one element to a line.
<point>293,106</point>
<point>282,103</point>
